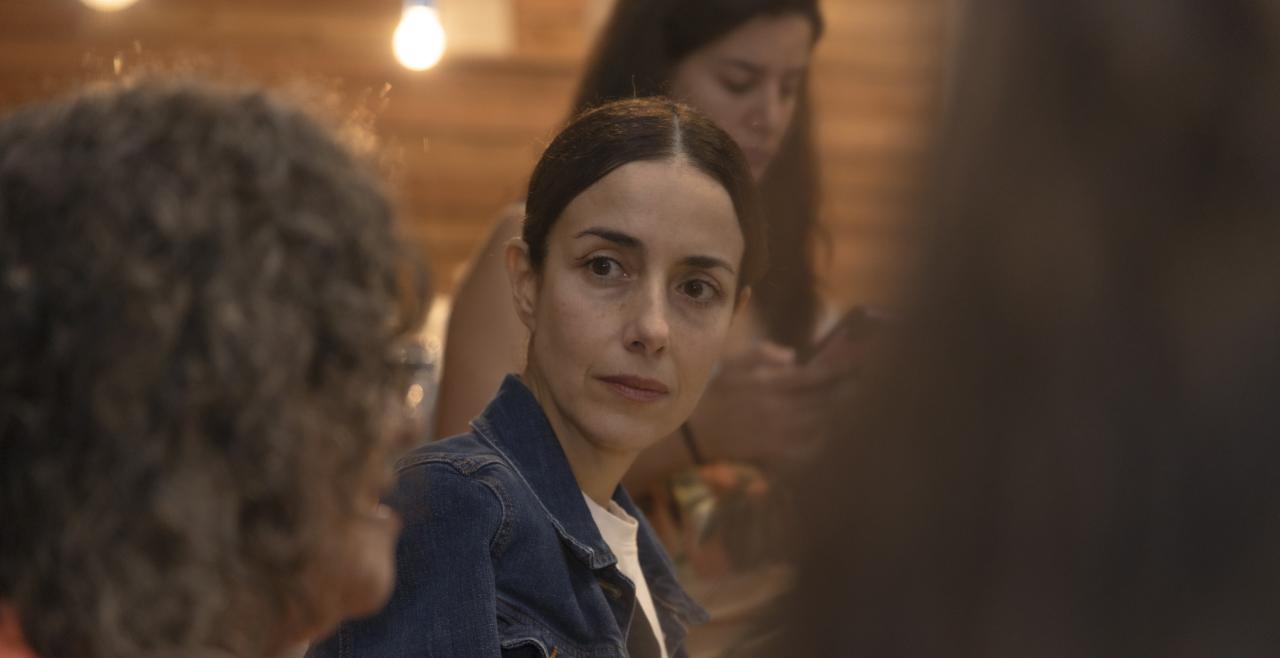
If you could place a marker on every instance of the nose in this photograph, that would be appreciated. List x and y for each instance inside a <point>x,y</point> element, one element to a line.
<point>767,112</point>
<point>648,328</point>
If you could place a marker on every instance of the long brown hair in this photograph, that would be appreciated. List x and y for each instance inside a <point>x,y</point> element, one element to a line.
<point>1074,452</point>
<point>636,56</point>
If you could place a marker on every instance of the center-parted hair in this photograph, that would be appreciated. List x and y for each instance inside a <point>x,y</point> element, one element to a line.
<point>636,56</point>
<point>652,129</point>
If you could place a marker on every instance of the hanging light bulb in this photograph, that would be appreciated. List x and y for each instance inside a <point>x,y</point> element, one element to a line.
<point>419,38</point>
<point>108,5</point>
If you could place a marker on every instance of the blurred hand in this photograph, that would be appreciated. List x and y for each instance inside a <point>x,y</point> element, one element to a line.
<point>764,408</point>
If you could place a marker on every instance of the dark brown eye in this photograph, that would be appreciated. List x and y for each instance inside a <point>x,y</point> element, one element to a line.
<point>737,87</point>
<point>604,267</point>
<point>700,291</point>
<point>601,266</point>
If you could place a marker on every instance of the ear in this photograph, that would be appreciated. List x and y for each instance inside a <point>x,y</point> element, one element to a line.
<point>524,281</point>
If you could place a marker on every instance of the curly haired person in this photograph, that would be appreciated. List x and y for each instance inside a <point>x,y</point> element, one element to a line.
<point>202,301</point>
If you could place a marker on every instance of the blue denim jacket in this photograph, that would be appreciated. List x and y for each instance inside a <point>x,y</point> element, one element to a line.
<point>500,555</point>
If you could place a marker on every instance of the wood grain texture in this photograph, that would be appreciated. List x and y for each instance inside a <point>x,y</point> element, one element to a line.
<point>462,138</point>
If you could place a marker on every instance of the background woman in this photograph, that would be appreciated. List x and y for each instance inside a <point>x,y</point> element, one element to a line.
<point>641,241</point>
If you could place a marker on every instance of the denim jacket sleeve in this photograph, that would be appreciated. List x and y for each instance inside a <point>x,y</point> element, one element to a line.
<point>444,599</point>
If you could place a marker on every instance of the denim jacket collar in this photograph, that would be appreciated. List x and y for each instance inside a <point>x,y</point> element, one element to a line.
<point>518,429</point>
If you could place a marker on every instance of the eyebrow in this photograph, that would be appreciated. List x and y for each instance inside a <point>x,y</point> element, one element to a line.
<point>755,69</point>
<point>742,64</point>
<point>631,242</point>
<point>707,263</point>
<point>617,237</point>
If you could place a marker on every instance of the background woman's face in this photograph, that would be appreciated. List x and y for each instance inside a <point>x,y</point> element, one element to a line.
<point>634,302</point>
<point>749,82</point>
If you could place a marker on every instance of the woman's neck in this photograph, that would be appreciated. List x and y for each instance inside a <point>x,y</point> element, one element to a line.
<point>597,469</point>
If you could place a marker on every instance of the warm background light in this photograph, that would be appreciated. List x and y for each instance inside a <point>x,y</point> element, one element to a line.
<point>479,29</point>
<point>462,139</point>
<point>108,5</point>
<point>419,40</point>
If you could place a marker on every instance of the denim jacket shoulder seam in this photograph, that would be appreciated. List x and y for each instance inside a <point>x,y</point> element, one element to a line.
<point>498,543</point>
<point>473,472</point>
<point>466,465</point>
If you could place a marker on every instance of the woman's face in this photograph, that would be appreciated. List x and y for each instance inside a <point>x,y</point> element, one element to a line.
<point>369,542</point>
<point>749,82</point>
<point>362,542</point>
<point>633,303</point>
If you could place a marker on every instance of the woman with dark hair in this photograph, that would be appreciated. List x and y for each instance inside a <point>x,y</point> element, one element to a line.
<point>202,300</point>
<point>743,63</point>
<point>1075,451</point>
<point>641,241</point>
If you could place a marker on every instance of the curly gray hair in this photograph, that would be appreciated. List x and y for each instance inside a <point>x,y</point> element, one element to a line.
<point>200,295</point>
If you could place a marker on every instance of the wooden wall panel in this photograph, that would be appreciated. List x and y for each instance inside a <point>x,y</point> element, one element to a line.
<point>462,138</point>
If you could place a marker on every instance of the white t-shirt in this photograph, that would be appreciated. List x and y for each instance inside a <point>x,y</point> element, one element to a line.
<point>619,531</point>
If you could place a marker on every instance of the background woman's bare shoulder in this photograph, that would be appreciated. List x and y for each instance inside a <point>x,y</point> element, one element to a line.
<point>484,340</point>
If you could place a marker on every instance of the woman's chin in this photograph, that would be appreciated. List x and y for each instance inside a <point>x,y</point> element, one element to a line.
<point>359,581</point>
<point>623,432</point>
<point>371,576</point>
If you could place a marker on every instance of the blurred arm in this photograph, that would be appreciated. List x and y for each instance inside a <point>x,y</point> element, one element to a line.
<point>485,339</point>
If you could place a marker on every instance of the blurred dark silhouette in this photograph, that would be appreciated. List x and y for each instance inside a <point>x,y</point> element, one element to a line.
<point>1073,449</point>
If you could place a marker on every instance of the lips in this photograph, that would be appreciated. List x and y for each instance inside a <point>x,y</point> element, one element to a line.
<point>371,507</point>
<point>636,389</point>
<point>369,502</point>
